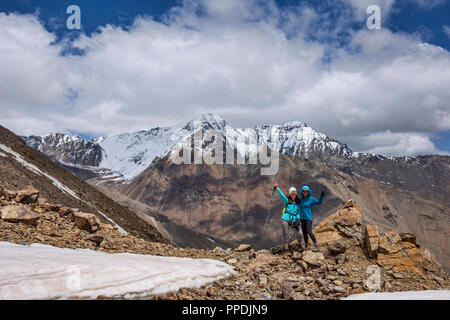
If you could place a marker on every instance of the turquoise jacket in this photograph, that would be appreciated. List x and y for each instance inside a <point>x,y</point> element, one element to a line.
<point>292,212</point>
<point>307,203</point>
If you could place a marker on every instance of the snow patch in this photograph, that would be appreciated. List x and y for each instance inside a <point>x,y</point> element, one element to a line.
<point>405,295</point>
<point>120,229</point>
<point>45,272</point>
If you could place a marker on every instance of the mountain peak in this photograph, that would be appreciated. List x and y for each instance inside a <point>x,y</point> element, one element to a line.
<point>294,124</point>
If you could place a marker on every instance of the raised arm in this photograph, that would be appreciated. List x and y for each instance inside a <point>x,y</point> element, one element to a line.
<point>282,196</point>
<point>315,201</point>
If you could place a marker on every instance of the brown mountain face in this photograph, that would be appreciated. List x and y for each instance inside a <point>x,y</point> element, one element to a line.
<point>232,201</point>
<point>429,176</point>
<point>21,166</point>
<point>179,235</point>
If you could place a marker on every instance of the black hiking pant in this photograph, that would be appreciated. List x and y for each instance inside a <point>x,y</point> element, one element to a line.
<point>307,230</point>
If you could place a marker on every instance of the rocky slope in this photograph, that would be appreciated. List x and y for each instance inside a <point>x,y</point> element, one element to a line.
<point>21,166</point>
<point>342,266</point>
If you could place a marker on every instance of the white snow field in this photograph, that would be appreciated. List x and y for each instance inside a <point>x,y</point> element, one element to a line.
<point>405,295</point>
<point>46,272</point>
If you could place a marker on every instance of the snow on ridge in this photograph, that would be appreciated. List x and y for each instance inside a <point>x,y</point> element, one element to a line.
<point>36,170</point>
<point>45,272</point>
<point>56,183</point>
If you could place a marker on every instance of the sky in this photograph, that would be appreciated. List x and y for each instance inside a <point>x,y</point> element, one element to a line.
<point>140,64</point>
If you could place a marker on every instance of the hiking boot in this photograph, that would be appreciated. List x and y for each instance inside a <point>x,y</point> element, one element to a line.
<point>307,247</point>
<point>300,248</point>
<point>316,248</point>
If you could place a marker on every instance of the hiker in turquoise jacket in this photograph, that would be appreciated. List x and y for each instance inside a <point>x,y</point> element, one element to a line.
<point>307,201</point>
<point>291,215</point>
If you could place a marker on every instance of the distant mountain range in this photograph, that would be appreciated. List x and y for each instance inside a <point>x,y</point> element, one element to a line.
<point>120,158</point>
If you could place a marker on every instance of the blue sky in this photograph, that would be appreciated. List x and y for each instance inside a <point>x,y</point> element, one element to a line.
<point>407,16</point>
<point>314,61</point>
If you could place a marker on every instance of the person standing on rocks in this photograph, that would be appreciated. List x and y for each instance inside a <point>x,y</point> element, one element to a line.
<point>291,216</point>
<point>306,203</point>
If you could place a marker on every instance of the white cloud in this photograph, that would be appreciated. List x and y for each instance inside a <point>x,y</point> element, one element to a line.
<point>446,30</point>
<point>428,4</point>
<point>241,66</point>
<point>407,144</point>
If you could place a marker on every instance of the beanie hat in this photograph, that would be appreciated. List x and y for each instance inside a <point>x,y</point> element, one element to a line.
<point>292,189</point>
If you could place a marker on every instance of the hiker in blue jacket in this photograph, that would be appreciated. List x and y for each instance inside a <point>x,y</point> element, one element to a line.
<point>306,203</point>
<point>291,215</point>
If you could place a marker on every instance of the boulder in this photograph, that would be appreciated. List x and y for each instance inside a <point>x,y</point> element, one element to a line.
<point>19,213</point>
<point>86,221</point>
<point>388,244</point>
<point>64,211</point>
<point>8,194</point>
<point>313,258</point>
<point>243,247</point>
<point>337,248</point>
<point>345,223</point>
<point>27,196</point>
<point>372,236</point>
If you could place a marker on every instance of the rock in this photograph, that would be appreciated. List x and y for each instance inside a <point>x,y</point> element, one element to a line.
<point>341,272</point>
<point>342,224</point>
<point>232,261</point>
<point>339,289</point>
<point>210,292</point>
<point>8,194</point>
<point>321,283</point>
<point>97,238</point>
<point>398,275</point>
<point>19,213</point>
<point>348,203</point>
<point>218,250</point>
<point>313,258</point>
<point>86,221</point>
<point>286,292</point>
<point>340,259</point>
<point>263,258</point>
<point>303,265</point>
<point>337,248</point>
<point>265,296</point>
<point>337,282</point>
<point>371,240</point>
<point>27,196</point>
<point>296,256</point>
<point>243,247</point>
<point>408,237</point>
<point>388,244</point>
<point>52,207</point>
<point>64,211</point>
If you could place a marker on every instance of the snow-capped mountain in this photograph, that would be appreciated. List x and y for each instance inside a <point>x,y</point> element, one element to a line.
<point>126,155</point>
<point>67,149</point>
<point>296,138</point>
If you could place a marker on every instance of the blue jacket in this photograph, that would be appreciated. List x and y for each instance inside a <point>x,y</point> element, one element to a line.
<point>307,203</point>
<point>292,212</point>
